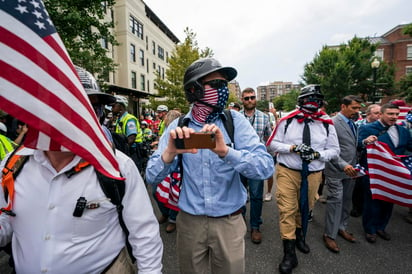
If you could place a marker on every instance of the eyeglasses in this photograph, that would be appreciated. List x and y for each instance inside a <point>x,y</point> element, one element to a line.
<point>217,83</point>
<point>249,98</point>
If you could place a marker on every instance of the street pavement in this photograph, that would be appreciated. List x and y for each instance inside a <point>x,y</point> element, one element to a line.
<point>393,256</point>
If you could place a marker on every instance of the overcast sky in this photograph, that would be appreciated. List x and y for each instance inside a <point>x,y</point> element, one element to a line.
<point>271,40</point>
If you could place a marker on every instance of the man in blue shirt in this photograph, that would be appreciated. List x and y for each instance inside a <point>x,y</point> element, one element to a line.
<point>210,228</point>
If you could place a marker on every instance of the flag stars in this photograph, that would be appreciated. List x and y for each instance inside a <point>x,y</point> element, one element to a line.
<point>37,14</point>
<point>35,4</point>
<point>21,9</point>
<point>40,25</point>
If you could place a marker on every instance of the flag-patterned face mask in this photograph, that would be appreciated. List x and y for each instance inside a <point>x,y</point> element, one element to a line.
<point>215,97</point>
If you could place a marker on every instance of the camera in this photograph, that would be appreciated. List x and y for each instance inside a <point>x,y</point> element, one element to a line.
<point>197,140</point>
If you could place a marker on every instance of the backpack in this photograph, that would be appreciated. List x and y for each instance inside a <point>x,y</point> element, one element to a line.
<point>168,190</point>
<point>121,143</point>
<point>112,188</point>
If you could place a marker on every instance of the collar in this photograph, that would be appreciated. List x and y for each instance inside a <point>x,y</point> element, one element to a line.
<point>346,119</point>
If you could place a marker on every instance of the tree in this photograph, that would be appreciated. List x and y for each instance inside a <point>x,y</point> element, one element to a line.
<point>408,30</point>
<point>286,102</point>
<point>347,70</point>
<point>81,27</point>
<point>405,87</point>
<point>172,86</point>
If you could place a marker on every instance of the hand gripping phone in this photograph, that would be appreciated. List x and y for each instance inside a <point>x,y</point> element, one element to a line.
<point>197,140</point>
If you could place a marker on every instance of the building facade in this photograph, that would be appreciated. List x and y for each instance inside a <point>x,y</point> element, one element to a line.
<point>274,89</point>
<point>396,48</point>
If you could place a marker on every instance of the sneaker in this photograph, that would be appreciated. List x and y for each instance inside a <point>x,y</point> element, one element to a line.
<point>268,197</point>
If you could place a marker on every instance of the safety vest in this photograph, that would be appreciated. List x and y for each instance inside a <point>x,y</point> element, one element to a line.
<point>121,127</point>
<point>161,128</point>
<point>6,146</point>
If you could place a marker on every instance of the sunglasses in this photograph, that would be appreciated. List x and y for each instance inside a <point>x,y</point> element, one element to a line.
<point>216,84</point>
<point>249,98</point>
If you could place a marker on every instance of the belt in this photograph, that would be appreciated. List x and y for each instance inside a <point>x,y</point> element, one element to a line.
<point>237,212</point>
<point>310,172</point>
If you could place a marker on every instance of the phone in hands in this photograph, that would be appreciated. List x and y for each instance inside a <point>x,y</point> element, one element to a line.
<point>200,140</point>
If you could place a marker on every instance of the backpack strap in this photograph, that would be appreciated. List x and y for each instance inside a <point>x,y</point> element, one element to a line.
<point>228,123</point>
<point>10,171</point>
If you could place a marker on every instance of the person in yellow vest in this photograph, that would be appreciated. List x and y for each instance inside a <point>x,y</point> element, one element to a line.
<point>6,145</point>
<point>162,111</point>
<point>128,125</point>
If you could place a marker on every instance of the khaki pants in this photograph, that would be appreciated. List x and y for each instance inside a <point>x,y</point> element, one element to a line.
<point>287,197</point>
<point>220,241</point>
<point>123,264</point>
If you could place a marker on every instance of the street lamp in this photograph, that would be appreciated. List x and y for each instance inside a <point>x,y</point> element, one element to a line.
<point>375,65</point>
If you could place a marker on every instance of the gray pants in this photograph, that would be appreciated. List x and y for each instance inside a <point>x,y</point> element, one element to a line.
<point>338,205</point>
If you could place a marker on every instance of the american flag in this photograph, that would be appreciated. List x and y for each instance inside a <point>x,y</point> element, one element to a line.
<point>390,174</point>
<point>168,190</point>
<point>39,85</point>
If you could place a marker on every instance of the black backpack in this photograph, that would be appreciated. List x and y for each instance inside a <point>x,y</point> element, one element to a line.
<point>121,143</point>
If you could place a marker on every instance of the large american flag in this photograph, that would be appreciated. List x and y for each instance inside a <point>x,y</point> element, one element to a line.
<point>390,175</point>
<point>39,85</point>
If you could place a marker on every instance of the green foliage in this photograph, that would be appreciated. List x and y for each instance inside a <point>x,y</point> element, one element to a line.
<point>233,98</point>
<point>172,86</point>
<point>262,105</point>
<point>405,87</point>
<point>286,102</point>
<point>408,30</point>
<point>81,28</point>
<point>347,70</point>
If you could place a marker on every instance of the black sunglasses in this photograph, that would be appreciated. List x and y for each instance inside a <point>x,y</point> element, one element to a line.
<point>217,83</point>
<point>249,98</point>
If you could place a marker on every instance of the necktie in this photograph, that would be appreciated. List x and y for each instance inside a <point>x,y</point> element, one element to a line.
<point>306,133</point>
<point>352,127</point>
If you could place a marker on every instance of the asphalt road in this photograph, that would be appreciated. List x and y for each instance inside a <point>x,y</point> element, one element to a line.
<point>393,256</point>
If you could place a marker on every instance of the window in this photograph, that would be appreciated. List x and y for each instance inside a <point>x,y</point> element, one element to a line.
<point>142,82</point>
<point>379,53</point>
<point>104,43</point>
<point>147,65</point>
<point>167,57</point>
<point>409,52</point>
<point>154,47</point>
<point>147,43</point>
<point>154,66</point>
<point>133,79</point>
<point>148,86</point>
<point>408,69</point>
<point>163,73</point>
<point>136,27</point>
<point>132,53</point>
<point>141,57</point>
<point>160,52</point>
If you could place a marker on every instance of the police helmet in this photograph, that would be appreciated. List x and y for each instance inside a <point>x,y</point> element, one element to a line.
<point>199,69</point>
<point>91,86</point>
<point>120,99</point>
<point>161,108</point>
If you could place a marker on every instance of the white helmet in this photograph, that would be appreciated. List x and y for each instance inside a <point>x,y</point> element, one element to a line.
<point>3,127</point>
<point>122,100</point>
<point>161,108</point>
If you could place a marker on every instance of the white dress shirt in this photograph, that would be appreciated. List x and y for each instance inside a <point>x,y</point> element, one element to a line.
<point>326,145</point>
<point>47,238</point>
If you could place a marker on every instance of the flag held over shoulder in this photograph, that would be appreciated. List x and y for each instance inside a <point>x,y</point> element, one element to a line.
<point>390,175</point>
<point>39,86</point>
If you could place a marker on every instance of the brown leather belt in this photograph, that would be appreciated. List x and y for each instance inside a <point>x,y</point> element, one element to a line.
<point>237,212</point>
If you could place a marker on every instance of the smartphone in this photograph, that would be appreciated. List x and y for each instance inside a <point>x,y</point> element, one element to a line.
<point>197,140</point>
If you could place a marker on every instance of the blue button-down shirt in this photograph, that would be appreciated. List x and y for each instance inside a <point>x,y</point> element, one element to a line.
<point>211,185</point>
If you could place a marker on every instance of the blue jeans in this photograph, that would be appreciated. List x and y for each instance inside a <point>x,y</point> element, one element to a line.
<point>167,212</point>
<point>376,213</point>
<point>256,201</point>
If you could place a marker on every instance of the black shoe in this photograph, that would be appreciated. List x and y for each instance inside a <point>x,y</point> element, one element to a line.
<point>384,235</point>
<point>290,261</point>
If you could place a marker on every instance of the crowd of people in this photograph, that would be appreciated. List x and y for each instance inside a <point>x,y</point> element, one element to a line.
<point>305,154</point>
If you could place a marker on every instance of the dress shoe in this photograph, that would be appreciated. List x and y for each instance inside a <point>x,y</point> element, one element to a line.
<point>162,219</point>
<point>256,236</point>
<point>330,244</point>
<point>371,238</point>
<point>384,235</point>
<point>170,227</point>
<point>347,236</point>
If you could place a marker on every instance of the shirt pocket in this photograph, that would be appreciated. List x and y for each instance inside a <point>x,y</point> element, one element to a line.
<point>94,222</point>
